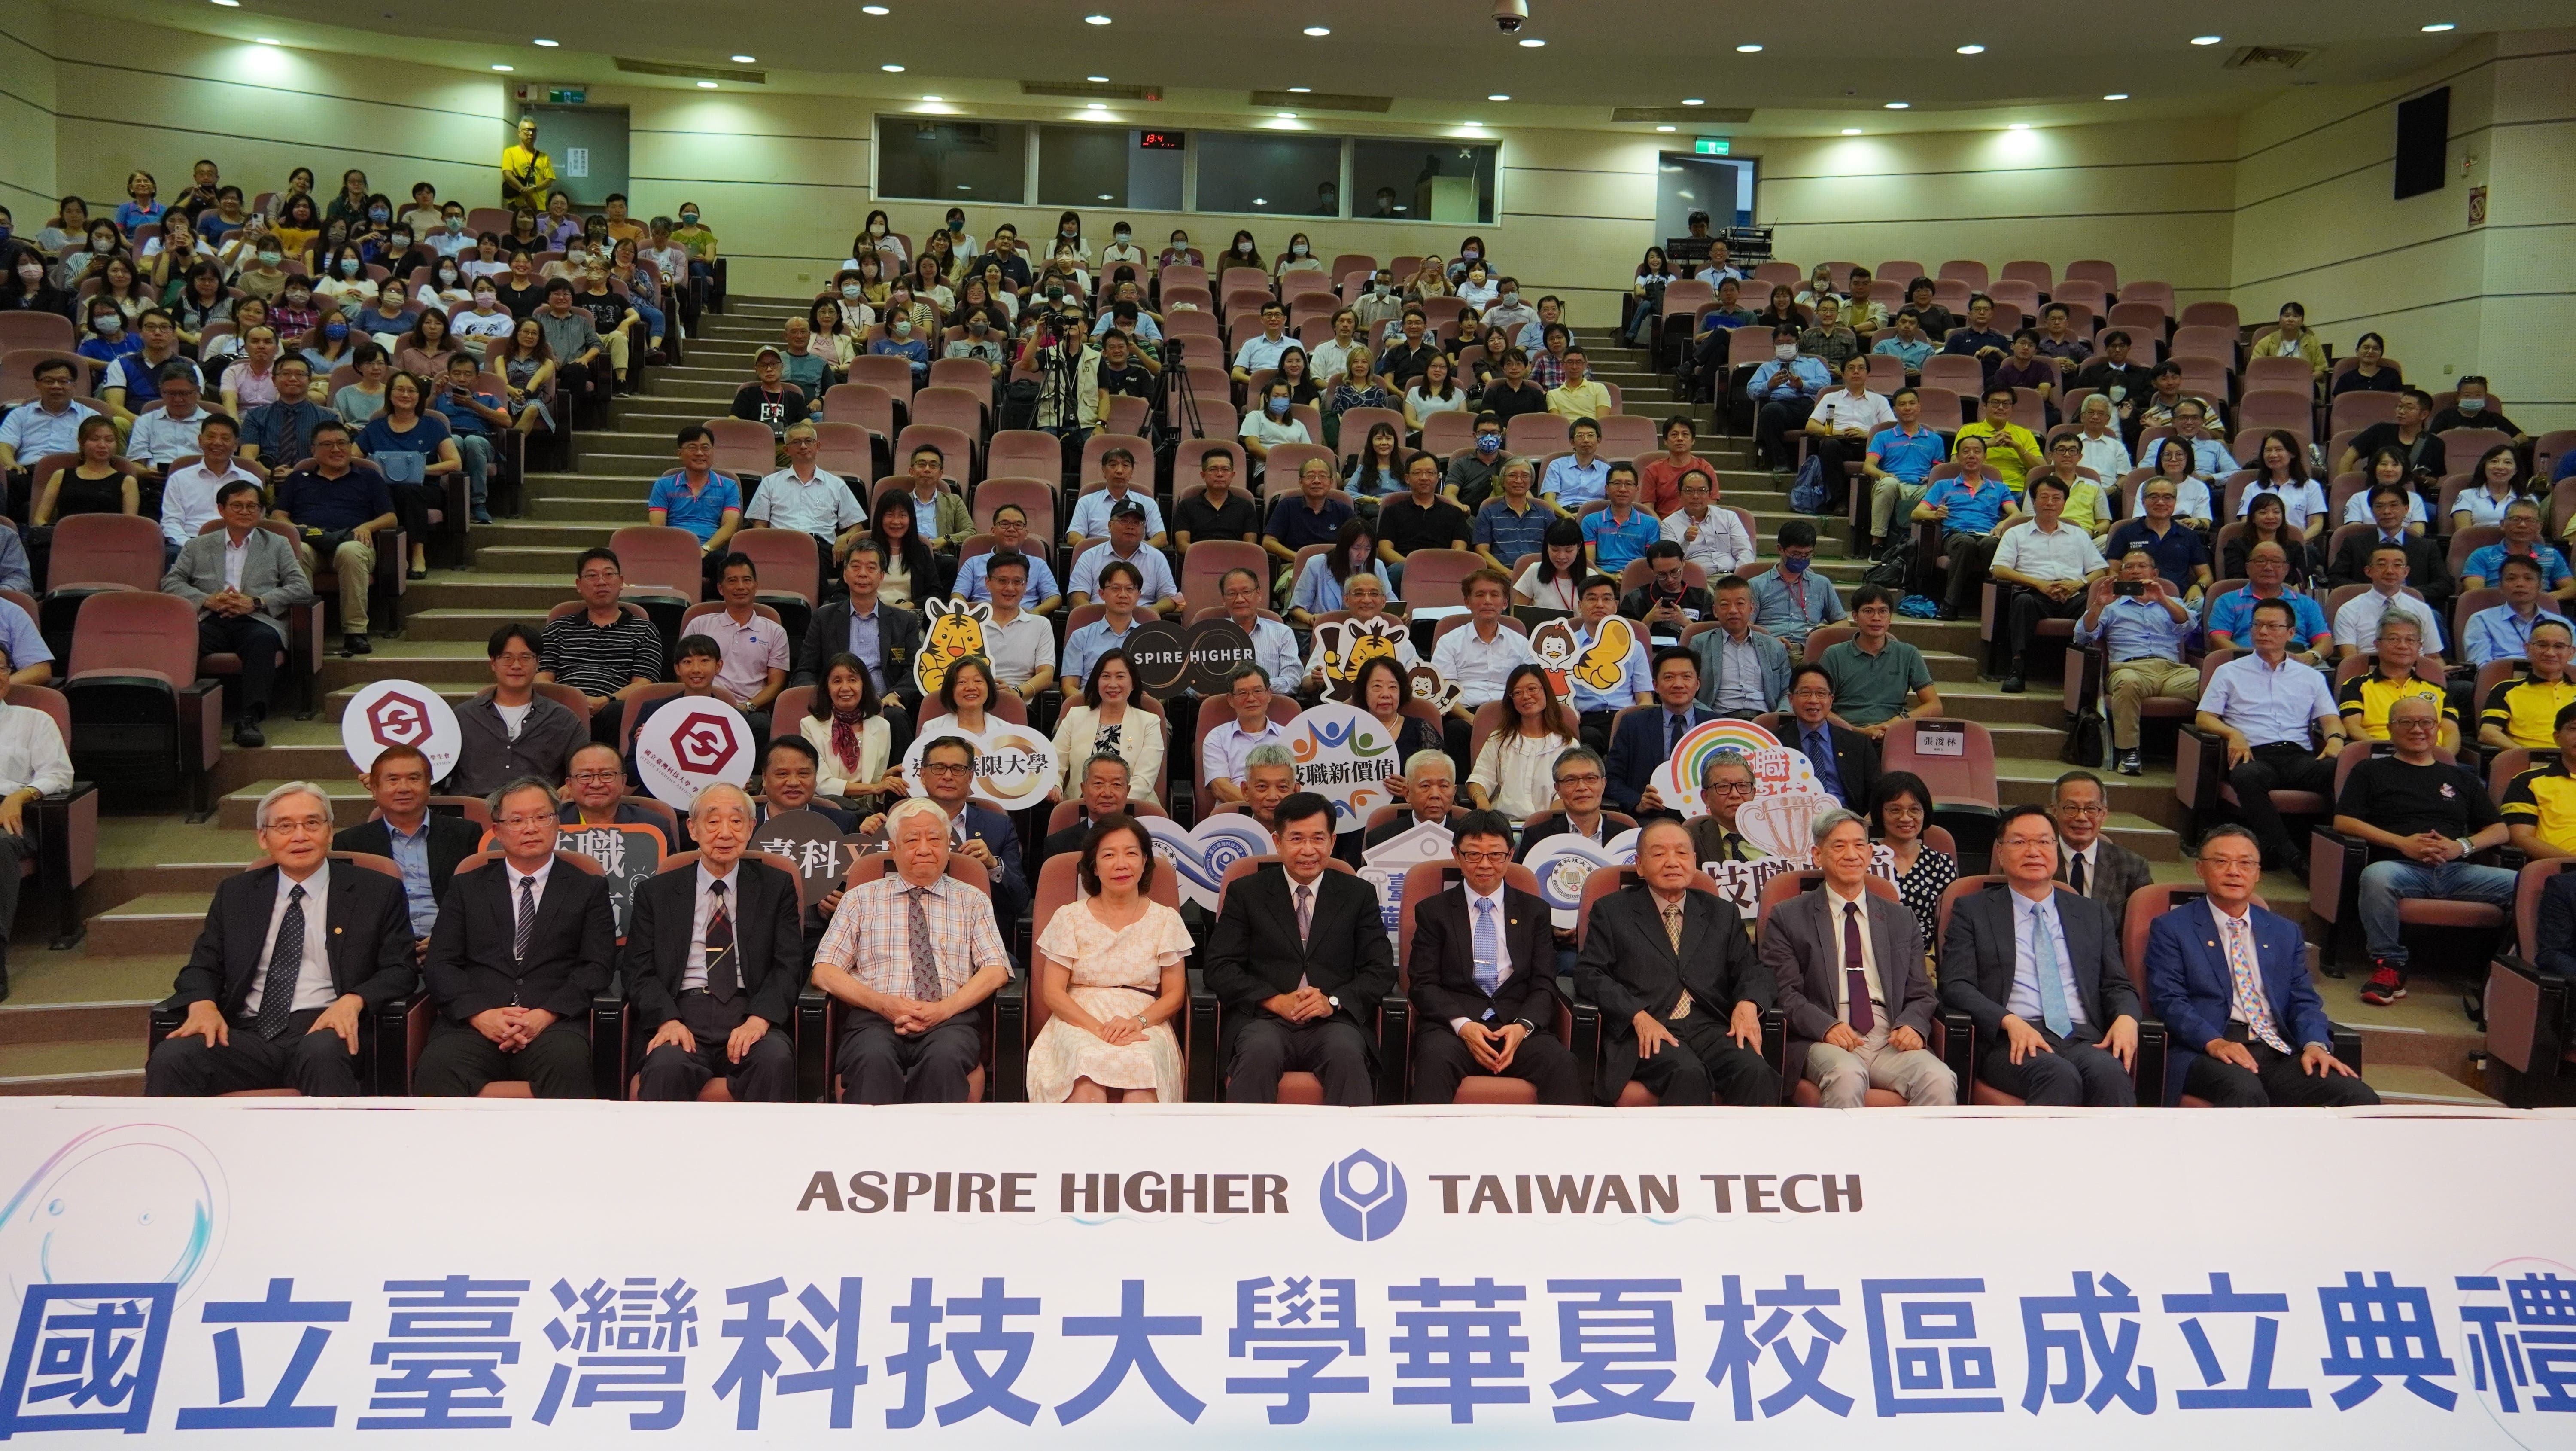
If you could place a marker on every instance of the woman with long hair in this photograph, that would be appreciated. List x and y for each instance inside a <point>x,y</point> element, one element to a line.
<point>2267,522</point>
<point>407,426</point>
<point>1654,274</point>
<point>2493,487</point>
<point>1110,718</point>
<point>912,570</point>
<point>835,341</point>
<point>846,725</point>
<point>1377,470</point>
<point>424,350</point>
<point>1898,815</point>
<point>2282,468</point>
<point>1555,582</point>
<point>1434,392</point>
<point>1515,768</point>
<point>1299,256</point>
<point>527,367</point>
<point>1293,372</point>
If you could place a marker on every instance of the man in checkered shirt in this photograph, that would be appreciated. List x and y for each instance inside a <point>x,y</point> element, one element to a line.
<point>913,953</point>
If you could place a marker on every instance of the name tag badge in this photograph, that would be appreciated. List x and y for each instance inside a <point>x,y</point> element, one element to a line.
<point>1940,741</point>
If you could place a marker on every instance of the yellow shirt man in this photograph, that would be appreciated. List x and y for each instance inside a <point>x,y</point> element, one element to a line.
<point>2006,463</point>
<point>527,174</point>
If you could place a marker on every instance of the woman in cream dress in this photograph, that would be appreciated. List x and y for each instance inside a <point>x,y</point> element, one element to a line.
<point>1111,973</point>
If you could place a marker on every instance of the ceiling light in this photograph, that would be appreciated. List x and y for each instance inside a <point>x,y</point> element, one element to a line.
<point>1533,43</point>
<point>1694,101</point>
<point>548,44</point>
<point>268,40</point>
<point>2207,39</point>
<point>2438,27</point>
<point>2117,96</point>
<point>504,68</point>
<point>1319,30</point>
<point>1105,196</point>
<point>1095,20</point>
<point>1287,115</point>
<point>1261,201</point>
<point>2018,126</point>
<point>229,4</point>
<point>1747,49</point>
<point>934,98</point>
<point>1851,130</point>
<point>744,59</point>
<point>1667,128</point>
<point>1498,96</point>
<point>706,85</point>
<point>1301,90</point>
<point>891,69</point>
<point>1095,105</point>
<point>1097,80</point>
<point>880,10</point>
<point>1899,105</point>
<point>1972,50</point>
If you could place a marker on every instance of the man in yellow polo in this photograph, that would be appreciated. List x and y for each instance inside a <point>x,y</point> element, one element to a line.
<point>2539,806</point>
<point>527,174</point>
<point>2524,711</point>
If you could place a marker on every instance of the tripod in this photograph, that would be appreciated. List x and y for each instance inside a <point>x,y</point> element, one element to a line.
<point>1179,400</point>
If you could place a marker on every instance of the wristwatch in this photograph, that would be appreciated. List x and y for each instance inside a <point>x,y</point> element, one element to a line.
<point>1336,1003</point>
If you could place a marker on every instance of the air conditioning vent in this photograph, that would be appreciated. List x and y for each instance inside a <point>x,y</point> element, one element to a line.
<point>1091,90</point>
<point>691,73</point>
<point>2270,57</point>
<point>1320,101</point>
<point>1685,115</point>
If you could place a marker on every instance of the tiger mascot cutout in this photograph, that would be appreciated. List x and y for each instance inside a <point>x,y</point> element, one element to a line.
<point>956,631</point>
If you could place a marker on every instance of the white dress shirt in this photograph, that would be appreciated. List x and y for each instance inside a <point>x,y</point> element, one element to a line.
<point>694,976</point>
<point>514,877</point>
<point>1479,667</point>
<point>2029,919</point>
<point>313,987</point>
<point>1222,757</point>
<point>188,499</point>
<point>1502,938</point>
<point>31,752</point>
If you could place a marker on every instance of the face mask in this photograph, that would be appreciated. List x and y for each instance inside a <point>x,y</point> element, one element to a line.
<point>4,231</point>
<point>574,256</point>
<point>2118,393</point>
<point>1472,254</point>
<point>447,276</point>
<point>1510,298</point>
<point>2472,405</point>
<point>1243,249</point>
<point>348,266</point>
<point>103,245</point>
<point>1299,249</point>
<point>978,327</point>
<point>1793,566</point>
<point>688,219</point>
<point>455,224</point>
<point>335,330</point>
<point>1786,351</point>
<point>1278,407</point>
<point>401,240</point>
<point>377,214</point>
<point>1180,244</point>
<point>852,290</point>
<point>1121,235</point>
<point>903,327</point>
<point>1489,443</point>
<point>956,226</point>
<point>483,301</point>
<point>298,298</point>
<point>108,326</point>
<point>1054,292</point>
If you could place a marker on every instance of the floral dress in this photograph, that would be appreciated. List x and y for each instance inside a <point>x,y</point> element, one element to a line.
<point>1116,973</point>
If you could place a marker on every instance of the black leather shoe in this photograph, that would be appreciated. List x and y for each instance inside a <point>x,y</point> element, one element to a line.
<point>247,734</point>
<point>356,645</point>
<point>2013,682</point>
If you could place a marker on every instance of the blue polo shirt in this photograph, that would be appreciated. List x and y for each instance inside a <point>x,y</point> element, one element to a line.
<point>1970,512</point>
<point>702,514</point>
<point>1615,544</point>
<point>2231,616</point>
<point>2177,554</point>
<point>2485,564</point>
<point>1909,456</point>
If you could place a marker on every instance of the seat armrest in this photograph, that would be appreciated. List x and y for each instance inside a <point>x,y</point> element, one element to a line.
<point>2155,1046</point>
<point>166,1017</point>
<point>2334,875</point>
<point>2346,1043</point>
<point>1394,1040</point>
<point>1583,1027</point>
<point>1009,1080</point>
<point>2198,756</point>
<point>1775,1042</point>
<point>1958,1045</point>
<point>813,1045</point>
<point>385,1043</point>
<point>1205,1024</point>
<point>201,725</point>
<point>608,1040</point>
<point>2527,1013</point>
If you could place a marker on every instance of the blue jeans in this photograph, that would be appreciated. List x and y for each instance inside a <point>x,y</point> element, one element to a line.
<point>477,451</point>
<point>2385,884</point>
<point>654,320</point>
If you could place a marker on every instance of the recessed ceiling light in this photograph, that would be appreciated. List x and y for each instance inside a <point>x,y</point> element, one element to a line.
<point>1287,115</point>
<point>1694,101</point>
<point>1498,96</point>
<point>1747,49</point>
<point>2438,26</point>
<point>541,40</point>
<point>1899,105</point>
<point>1105,196</point>
<point>1261,201</point>
<point>1972,50</point>
<point>268,40</point>
<point>504,68</point>
<point>894,69</point>
<point>1095,105</point>
<point>744,59</point>
<point>2117,96</point>
<point>934,98</point>
<point>1095,20</point>
<point>2018,126</point>
<point>2207,39</point>
<point>229,4</point>
<point>1533,43</point>
<point>1667,128</point>
<point>1301,90</point>
<point>706,85</point>
<point>1097,80</point>
<point>881,10</point>
<point>1319,30</point>
<point>1851,130</point>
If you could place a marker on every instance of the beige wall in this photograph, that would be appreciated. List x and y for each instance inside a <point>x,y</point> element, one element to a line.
<point>27,129</point>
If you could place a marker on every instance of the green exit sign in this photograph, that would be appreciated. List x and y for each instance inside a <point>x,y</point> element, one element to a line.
<point>580,96</point>
<point>1711,146</point>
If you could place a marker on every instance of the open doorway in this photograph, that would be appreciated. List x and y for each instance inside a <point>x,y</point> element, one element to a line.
<point>1721,186</point>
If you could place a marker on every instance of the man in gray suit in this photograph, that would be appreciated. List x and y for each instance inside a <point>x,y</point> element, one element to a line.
<point>1759,681</point>
<point>2038,968</point>
<point>243,580</point>
<point>2091,863</point>
<point>1849,965</point>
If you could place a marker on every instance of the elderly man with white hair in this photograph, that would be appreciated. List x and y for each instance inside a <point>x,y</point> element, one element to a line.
<point>292,952</point>
<point>1849,965</point>
<point>2104,452</point>
<point>1430,794</point>
<point>913,953</point>
<point>714,960</point>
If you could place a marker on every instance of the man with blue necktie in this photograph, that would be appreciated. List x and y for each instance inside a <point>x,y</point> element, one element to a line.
<point>1846,761</point>
<point>1483,959</point>
<point>2038,968</point>
<point>2230,980</point>
<point>1647,738</point>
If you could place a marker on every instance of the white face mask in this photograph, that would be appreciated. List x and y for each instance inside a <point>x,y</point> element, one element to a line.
<point>1299,249</point>
<point>1241,249</point>
<point>1786,351</point>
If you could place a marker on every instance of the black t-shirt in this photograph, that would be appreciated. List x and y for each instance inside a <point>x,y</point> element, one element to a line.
<point>781,410</point>
<point>2397,797</point>
<point>2450,418</point>
<point>1237,517</point>
<point>1507,402</point>
<point>2426,454</point>
<point>606,309</point>
<point>1131,381</point>
<point>523,301</point>
<point>1401,364</point>
<point>1408,526</point>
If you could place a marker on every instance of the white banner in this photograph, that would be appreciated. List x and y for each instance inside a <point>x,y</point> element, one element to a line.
<point>278,1273</point>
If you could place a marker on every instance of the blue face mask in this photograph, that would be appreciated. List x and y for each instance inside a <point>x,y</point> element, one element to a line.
<point>1278,407</point>
<point>1489,443</point>
<point>377,214</point>
<point>1790,564</point>
<point>335,330</point>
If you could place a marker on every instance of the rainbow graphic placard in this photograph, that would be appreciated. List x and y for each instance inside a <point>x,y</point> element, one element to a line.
<point>1700,742</point>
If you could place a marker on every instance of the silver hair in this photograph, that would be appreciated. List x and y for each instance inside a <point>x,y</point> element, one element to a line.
<point>1722,758</point>
<point>1273,754</point>
<point>739,797</point>
<point>2396,620</point>
<point>910,807</point>
<point>513,787</point>
<point>2090,400</point>
<point>1576,756</point>
<point>291,788</point>
<point>1109,758</point>
<point>1415,763</point>
<point>1519,461</point>
<point>1831,821</point>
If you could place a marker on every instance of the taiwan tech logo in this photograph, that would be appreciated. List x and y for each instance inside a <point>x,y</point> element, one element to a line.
<point>1363,1197</point>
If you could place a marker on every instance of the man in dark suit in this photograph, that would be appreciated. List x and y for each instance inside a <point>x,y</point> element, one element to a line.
<point>2091,863</point>
<point>2231,982</point>
<point>1645,740</point>
<point>1849,967</point>
<point>522,947</point>
<point>714,961</point>
<point>1845,761</point>
<point>1684,1021</point>
<point>427,847</point>
<point>2427,566</point>
<point>1430,794</point>
<point>1104,782</point>
<point>292,951</point>
<point>1483,965</point>
<point>947,776</point>
<point>1301,962</point>
<point>2039,969</point>
<point>887,640</point>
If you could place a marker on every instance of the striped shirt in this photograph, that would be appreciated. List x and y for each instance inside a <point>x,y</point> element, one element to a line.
<point>871,935</point>
<point>598,661</point>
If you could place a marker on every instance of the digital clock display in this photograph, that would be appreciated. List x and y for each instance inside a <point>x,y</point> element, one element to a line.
<point>1160,140</point>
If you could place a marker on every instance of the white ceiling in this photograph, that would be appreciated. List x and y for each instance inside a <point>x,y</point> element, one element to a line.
<point>1446,56</point>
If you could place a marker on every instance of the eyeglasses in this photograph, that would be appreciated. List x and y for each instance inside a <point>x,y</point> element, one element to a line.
<point>1588,778</point>
<point>533,818</point>
<point>943,768</point>
<point>2096,809</point>
<point>596,777</point>
<point>299,824</point>
<point>1729,788</point>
